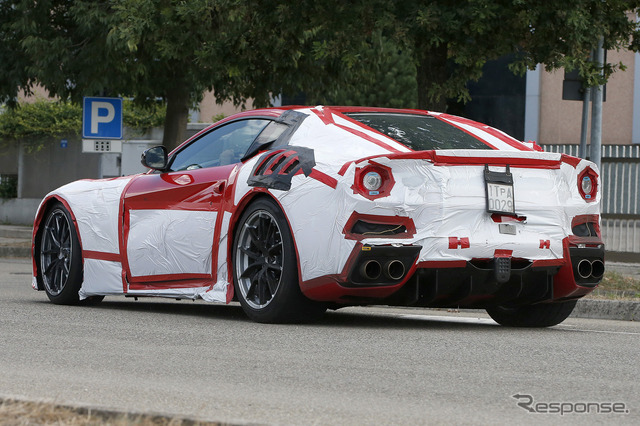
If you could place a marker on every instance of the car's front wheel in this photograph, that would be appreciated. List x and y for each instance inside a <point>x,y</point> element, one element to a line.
<point>59,257</point>
<point>540,315</point>
<point>265,273</point>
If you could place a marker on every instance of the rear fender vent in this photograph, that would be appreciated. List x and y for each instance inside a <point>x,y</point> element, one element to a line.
<point>586,226</point>
<point>275,169</point>
<point>587,229</point>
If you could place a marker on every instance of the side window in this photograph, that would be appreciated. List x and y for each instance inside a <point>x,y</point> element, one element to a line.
<point>222,146</point>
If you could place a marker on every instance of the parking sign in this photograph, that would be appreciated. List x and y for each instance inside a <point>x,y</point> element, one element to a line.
<point>102,118</point>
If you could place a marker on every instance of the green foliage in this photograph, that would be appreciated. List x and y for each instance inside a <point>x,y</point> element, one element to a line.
<point>45,118</point>
<point>451,40</point>
<point>13,59</point>
<point>362,51</point>
<point>41,118</point>
<point>384,76</point>
<point>217,117</point>
<point>143,117</point>
<point>63,46</point>
<point>565,34</point>
<point>130,48</point>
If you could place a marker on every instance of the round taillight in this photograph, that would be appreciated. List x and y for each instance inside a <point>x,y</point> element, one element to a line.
<point>588,184</point>
<point>372,181</point>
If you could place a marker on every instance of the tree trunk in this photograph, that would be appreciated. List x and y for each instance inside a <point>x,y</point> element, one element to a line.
<point>432,72</point>
<point>175,123</point>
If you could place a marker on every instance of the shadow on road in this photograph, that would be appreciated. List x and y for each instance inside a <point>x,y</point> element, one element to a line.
<point>363,319</point>
<point>175,307</point>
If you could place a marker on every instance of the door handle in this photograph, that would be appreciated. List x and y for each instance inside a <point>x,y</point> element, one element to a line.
<point>218,188</point>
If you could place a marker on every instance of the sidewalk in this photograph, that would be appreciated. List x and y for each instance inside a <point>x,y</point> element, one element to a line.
<point>15,241</point>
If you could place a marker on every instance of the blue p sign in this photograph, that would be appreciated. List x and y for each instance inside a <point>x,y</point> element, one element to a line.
<point>102,118</point>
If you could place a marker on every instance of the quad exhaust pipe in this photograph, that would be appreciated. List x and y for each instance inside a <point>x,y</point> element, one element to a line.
<point>584,269</point>
<point>393,270</point>
<point>597,269</point>
<point>371,269</point>
<point>590,269</point>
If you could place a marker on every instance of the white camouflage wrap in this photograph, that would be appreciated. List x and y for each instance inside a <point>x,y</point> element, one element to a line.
<point>442,200</point>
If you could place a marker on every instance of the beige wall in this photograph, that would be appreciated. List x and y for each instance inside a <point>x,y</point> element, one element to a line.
<point>560,120</point>
<point>39,92</point>
<point>209,108</point>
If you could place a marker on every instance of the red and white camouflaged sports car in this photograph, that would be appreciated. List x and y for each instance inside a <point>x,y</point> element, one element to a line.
<point>296,210</point>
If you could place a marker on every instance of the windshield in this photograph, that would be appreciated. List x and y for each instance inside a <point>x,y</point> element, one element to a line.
<point>419,132</point>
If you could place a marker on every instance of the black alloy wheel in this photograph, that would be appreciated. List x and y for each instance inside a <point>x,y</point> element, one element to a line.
<point>265,273</point>
<point>60,258</point>
<point>259,259</point>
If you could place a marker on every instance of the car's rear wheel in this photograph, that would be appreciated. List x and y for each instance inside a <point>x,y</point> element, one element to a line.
<point>540,315</point>
<point>59,257</point>
<point>265,273</point>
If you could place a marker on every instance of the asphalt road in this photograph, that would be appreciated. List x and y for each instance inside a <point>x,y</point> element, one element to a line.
<point>357,366</point>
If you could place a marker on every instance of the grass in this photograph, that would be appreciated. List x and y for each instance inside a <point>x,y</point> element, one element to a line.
<point>18,413</point>
<point>616,286</point>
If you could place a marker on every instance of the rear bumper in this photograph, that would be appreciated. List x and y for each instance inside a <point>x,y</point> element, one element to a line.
<point>392,275</point>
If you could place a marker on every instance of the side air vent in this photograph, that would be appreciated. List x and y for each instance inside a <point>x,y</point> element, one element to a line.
<point>275,169</point>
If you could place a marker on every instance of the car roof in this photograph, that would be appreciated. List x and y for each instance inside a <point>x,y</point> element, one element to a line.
<point>276,111</point>
<point>480,131</point>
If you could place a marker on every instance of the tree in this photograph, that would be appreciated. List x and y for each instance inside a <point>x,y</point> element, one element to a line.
<point>175,50</point>
<point>256,49</point>
<point>61,45</point>
<point>165,41</point>
<point>319,48</point>
<point>145,49</point>
<point>129,48</point>
<point>13,73</point>
<point>170,49</point>
<point>322,49</point>
<point>384,76</point>
<point>452,40</point>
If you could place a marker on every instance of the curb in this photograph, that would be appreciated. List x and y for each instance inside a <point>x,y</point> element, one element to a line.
<point>621,310</point>
<point>15,241</point>
<point>12,251</point>
<point>16,231</point>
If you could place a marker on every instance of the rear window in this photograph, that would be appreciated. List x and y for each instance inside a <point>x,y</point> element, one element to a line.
<point>419,132</point>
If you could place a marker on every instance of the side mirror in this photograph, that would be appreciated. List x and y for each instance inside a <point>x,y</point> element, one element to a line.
<point>155,158</point>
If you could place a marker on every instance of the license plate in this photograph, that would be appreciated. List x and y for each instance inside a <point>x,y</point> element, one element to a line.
<point>499,191</point>
<point>500,198</point>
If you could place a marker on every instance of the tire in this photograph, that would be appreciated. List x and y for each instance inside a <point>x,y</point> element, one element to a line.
<point>59,257</point>
<point>540,315</point>
<point>265,273</point>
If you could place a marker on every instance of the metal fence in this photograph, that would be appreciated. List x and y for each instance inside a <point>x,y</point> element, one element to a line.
<point>620,173</point>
